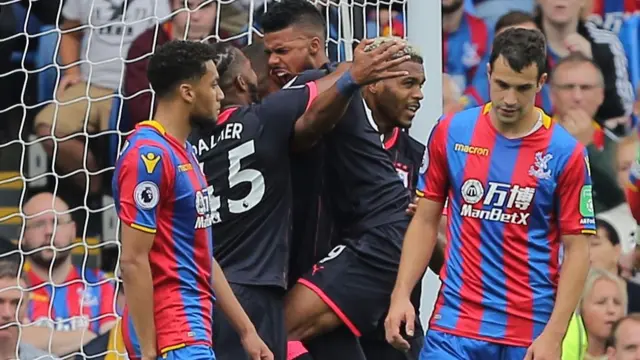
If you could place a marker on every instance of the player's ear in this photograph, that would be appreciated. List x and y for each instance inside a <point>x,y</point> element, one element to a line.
<point>240,83</point>
<point>541,81</point>
<point>315,46</point>
<point>489,72</point>
<point>187,93</point>
<point>375,87</point>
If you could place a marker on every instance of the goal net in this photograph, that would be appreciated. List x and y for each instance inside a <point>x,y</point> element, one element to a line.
<point>66,105</point>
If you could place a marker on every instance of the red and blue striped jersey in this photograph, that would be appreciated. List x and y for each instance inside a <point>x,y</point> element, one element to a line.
<point>79,302</point>
<point>611,14</point>
<point>465,54</point>
<point>509,203</point>
<point>159,188</point>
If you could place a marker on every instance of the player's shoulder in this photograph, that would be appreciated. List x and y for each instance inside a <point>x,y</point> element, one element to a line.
<point>308,76</point>
<point>145,143</point>
<point>462,119</point>
<point>562,141</point>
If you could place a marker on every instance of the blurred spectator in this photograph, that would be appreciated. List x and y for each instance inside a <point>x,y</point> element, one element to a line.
<point>451,95</point>
<point>624,342</point>
<point>199,15</point>
<point>626,152</point>
<point>515,19</point>
<point>610,14</point>
<point>566,32</point>
<point>577,90</point>
<point>13,303</point>
<point>616,236</point>
<point>92,48</point>
<point>604,301</point>
<point>466,46</point>
<point>491,10</point>
<point>257,55</point>
<point>65,298</point>
<point>385,21</point>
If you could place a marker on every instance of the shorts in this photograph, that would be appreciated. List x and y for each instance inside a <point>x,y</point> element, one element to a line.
<point>375,347</point>
<point>265,307</point>
<point>351,284</point>
<point>443,346</point>
<point>76,109</point>
<point>193,352</point>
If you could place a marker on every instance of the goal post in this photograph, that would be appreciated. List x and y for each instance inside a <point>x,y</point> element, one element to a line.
<point>25,167</point>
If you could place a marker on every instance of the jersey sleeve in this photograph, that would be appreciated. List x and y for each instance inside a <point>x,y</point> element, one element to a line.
<point>575,199</point>
<point>142,184</point>
<point>433,181</point>
<point>285,107</point>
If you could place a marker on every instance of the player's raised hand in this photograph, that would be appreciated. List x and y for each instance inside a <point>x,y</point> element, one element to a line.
<point>401,312</point>
<point>255,347</point>
<point>377,64</point>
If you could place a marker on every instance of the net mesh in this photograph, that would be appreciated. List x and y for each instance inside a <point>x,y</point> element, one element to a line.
<point>64,117</point>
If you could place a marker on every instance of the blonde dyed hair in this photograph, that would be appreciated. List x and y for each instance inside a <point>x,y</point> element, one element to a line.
<point>596,274</point>
<point>409,49</point>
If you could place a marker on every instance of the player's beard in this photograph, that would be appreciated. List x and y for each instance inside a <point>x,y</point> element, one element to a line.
<point>54,262</point>
<point>448,9</point>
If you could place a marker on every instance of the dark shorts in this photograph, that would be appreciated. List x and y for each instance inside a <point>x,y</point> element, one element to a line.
<point>356,283</point>
<point>440,345</point>
<point>265,307</point>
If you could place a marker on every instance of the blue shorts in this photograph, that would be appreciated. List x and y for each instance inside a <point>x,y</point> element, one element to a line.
<point>443,346</point>
<point>192,352</point>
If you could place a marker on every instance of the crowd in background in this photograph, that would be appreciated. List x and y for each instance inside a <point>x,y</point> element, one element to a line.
<point>74,117</point>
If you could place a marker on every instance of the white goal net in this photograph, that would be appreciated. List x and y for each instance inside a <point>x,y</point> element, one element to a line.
<point>72,86</point>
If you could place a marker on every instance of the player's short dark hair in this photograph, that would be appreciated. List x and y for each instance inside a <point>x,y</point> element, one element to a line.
<point>286,13</point>
<point>612,340</point>
<point>576,57</point>
<point>256,53</point>
<point>611,231</point>
<point>520,48</point>
<point>10,260</point>
<point>227,62</point>
<point>513,18</point>
<point>175,62</point>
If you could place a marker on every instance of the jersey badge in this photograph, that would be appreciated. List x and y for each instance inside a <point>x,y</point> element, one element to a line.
<point>150,161</point>
<point>146,195</point>
<point>540,168</point>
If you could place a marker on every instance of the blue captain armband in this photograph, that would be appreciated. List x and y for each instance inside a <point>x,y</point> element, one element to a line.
<point>346,85</point>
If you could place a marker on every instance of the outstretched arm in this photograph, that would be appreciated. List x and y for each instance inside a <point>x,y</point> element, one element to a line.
<point>335,90</point>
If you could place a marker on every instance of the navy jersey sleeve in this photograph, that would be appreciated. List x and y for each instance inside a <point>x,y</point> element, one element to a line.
<point>280,110</point>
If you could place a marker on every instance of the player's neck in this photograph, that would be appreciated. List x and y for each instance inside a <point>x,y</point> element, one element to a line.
<point>232,99</point>
<point>381,120</point>
<point>174,120</point>
<point>320,60</point>
<point>451,22</point>
<point>519,128</point>
<point>557,33</point>
<point>8,350</point>
<point>58,275</point>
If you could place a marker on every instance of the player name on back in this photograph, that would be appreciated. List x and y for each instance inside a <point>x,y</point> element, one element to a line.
<point>231,131</point>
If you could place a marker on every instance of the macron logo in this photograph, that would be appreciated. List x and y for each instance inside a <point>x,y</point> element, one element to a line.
<point>472,150</point>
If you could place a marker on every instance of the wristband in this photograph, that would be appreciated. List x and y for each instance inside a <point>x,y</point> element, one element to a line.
<point>346,85</point>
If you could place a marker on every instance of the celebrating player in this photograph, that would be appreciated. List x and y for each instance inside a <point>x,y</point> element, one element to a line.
<point>518,188</point>
<point>166,210</point>
<point>250,148</point>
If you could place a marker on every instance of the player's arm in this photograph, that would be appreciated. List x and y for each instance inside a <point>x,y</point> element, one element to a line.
<point>141,181</point>
<point>230,306</point>
<point>335,90</point>
<point>576,223</point>
<point>420,238</point>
